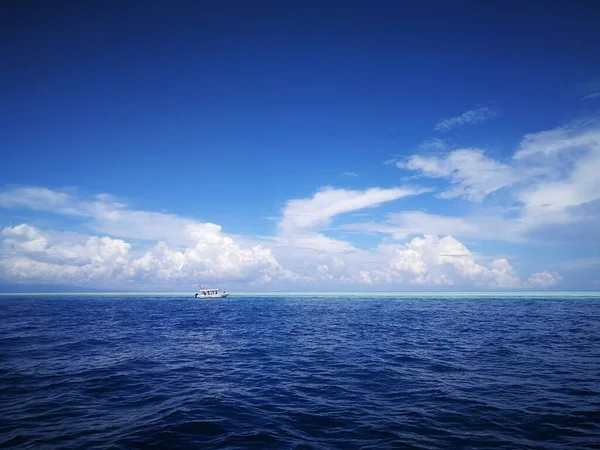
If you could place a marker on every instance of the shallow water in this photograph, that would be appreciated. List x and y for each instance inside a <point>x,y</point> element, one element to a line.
<point>291,372</point>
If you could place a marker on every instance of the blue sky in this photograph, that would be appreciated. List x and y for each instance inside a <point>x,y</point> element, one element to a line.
<point>271,145</point>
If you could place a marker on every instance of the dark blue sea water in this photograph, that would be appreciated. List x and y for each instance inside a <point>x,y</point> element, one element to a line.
<point>428,373</point>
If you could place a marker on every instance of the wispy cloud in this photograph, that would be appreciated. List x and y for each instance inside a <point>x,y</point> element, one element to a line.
<point>592,262</point>
<point>551,186</point>
<point>433,145</point>
<point>401,225</point>
<point>589,90</point>
<point>473,116</point>
<point>570,138</point>
<point>318,210</point>
<point>472,174</point>
<point>566,163</point>
<point>102,213</point>
<point>350,174</point>
<point>302,218</point>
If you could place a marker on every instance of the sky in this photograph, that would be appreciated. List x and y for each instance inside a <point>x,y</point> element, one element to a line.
<point>268,145</point>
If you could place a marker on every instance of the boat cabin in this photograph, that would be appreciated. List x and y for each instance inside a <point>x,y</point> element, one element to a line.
<point>212,293</point>
<point>208,291</point>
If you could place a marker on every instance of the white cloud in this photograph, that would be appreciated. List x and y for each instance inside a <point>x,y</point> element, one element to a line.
<point>318,210</point>
<point>214,257</point>
<point>488,225</point>
<point>350,174</point>
<point>23,238</point>
<point>551,181</point>
<point>298,256</point>
<point>471,173</point>
<point>39,199</point>
<point>184,250</point>
<point>301,217</point>
<point>428,261</point>
<point>103,214</point>
<point>431,260</point>
<point>576,137</point>
<point>473,116</point>
<point>29,257</point>
<point>570,161</point>
<point>543,279</point>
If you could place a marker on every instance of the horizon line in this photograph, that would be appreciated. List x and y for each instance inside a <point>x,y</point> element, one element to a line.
<point>316,293</point>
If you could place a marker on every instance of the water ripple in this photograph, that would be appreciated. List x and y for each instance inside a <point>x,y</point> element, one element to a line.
<point>299,373</point>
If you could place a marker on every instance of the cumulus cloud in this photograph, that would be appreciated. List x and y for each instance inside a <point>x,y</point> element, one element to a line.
<point>30,257</point>
<point>473,116</point>
<point>543,279</point>
<point>213,257</point>
<point>299,255</point>
<point>426,261</point>
<point>431,260</point>
<point>23,238</point>
<point>471,173</point>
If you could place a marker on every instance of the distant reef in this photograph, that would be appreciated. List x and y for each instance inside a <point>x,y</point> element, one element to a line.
<point>44,288</point>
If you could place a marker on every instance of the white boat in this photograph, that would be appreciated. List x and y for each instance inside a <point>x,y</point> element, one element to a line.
<point>210,293</point>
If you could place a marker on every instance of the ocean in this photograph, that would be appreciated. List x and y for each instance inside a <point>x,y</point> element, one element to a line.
<point>285,371</point>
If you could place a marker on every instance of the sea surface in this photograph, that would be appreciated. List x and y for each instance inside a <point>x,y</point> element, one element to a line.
<point>300,372</point>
